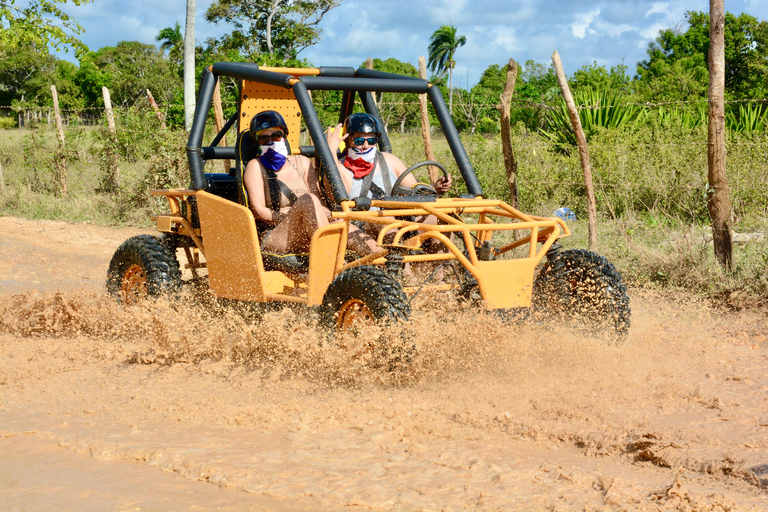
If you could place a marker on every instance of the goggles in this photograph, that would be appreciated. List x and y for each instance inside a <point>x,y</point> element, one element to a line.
<point>359,141</point>
<point>274,137</point>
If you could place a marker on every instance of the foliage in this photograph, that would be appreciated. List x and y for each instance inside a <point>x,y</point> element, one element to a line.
<point>442,46</point>
<point>676,68</point>
<point>598,110</point>
<point>748,118</point>
<point>40,24</point>
<point>127,70</point>
<point>597,77</point>
<point>27,74</point>
<point>280,28</point>
<point>172,41</point>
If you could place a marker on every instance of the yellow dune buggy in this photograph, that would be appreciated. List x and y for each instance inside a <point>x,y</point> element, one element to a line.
<point>493,249</point>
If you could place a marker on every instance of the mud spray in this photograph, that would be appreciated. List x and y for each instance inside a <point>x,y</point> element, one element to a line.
<point>482,415</point>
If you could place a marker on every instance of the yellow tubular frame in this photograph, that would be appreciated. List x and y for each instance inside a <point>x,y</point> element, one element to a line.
<point>502,283</point>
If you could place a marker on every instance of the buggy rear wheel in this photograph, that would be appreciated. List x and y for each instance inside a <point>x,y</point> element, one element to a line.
<point>143,266</point>
<point>585,291</point>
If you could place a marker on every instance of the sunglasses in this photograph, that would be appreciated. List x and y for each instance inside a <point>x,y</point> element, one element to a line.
<point>274,137</point>
<point>359,141</point>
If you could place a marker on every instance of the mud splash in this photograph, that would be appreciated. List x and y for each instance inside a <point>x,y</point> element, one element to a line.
<point>486,414</point>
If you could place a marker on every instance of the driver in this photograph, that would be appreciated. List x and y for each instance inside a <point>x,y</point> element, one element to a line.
<point>364,169</point>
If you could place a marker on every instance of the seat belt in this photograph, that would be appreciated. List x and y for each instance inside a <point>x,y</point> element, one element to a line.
<point>276,187</point>
<point>369,185</point>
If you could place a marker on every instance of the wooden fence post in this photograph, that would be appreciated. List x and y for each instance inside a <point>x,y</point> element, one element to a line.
<point>510,164</point>
<point>112,181</point>
<point>61,164</point>
<point>429,153</point>
<point>2,180</point>
<point>718,203</point>
<point>583,149</point>
<point>378,96</point>
<point>152,103</point>
<point>218,116</point>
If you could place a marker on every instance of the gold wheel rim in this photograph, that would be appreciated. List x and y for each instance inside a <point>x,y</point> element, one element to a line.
<point>134,285</point>
<point>353,314</point>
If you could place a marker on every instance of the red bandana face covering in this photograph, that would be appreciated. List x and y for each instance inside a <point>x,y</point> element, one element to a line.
<point>360,162</point>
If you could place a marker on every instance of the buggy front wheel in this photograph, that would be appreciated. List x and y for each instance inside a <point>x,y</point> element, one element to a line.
<point>143,266</point>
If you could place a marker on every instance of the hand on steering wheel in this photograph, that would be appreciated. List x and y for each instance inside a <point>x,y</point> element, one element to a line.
<point>420,189</point>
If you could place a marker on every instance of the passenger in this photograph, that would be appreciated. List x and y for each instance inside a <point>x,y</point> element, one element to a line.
<point>295,185</point>
<point>362,160</point>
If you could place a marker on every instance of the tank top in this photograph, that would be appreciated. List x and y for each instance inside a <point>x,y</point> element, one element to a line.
<point>378,180</point>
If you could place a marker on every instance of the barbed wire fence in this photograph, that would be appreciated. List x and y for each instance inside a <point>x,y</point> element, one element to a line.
<point>29,118</point>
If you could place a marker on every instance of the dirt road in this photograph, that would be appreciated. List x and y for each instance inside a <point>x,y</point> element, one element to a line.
<point>170,407</point>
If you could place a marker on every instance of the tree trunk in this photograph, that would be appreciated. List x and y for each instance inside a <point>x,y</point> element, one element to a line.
<point>61,164</point>
<point>510,164</point>
<point>450,86</point>
<point>218,116</point>
<point>189,66</point>
<point>434,173</point>
<point>718,203</point>
<point>583,149</point>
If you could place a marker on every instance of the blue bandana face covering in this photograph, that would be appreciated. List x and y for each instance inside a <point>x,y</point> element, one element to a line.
<point>274,155</point>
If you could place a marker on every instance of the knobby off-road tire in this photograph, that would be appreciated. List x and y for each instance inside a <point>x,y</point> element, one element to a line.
<point>585,291</point>
<point>366,296</point>
<point>143,266</point>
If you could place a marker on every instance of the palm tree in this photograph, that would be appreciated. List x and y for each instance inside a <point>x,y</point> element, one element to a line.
<point>189,66</point>
<point>442,45</point>
<point>171,38</point>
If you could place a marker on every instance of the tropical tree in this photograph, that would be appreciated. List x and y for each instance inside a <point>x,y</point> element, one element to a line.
<point>128,70</point>
<point>442,45</point>
<point>41,23</point>
<point>172,41</point>
<point>676,67</point>
<point>280,28</point>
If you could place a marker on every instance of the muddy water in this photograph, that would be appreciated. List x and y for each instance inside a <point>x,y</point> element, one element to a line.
<point>194,407</point>
<point>486,415</point>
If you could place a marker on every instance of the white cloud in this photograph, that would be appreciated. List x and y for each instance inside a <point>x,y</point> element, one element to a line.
<point>504,37</point>
<point>445,11</point>
<point>658,7</point>
<point>581,25</point>
<point>653,31</point>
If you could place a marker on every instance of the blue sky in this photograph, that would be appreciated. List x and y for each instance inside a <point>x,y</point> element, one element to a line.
<point>606,32</point>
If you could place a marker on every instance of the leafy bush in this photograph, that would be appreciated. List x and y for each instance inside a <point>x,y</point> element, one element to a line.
<point>604,109</point>
<point>6,123</point>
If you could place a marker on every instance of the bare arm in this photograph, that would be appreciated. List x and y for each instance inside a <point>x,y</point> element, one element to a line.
<point>334,137</point>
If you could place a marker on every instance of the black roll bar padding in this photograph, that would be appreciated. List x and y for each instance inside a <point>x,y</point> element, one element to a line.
<point>327,163</point>
<point>370,106</point>
<point>325,83</point>
<point>347,105</point>
<point>217,153</point>
<point>348,72</point>
<point>372,73</point>
<point>225,129</point>
<point>194,154</point>
<point>454,142</point>
<point>248,71</point>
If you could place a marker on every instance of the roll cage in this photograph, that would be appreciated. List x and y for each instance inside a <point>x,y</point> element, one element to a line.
<point>361,82</point>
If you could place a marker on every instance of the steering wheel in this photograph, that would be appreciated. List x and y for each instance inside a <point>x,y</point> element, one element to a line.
<point>420,189</point>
